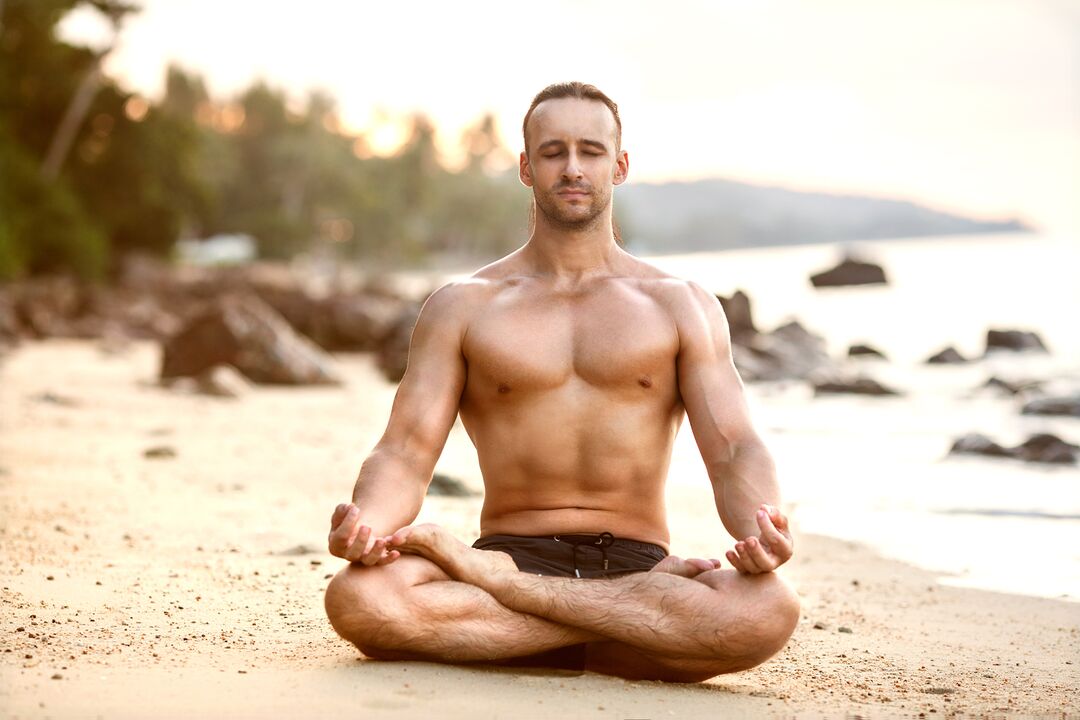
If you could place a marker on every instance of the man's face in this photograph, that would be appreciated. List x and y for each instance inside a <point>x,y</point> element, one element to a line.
<point>571,161</point>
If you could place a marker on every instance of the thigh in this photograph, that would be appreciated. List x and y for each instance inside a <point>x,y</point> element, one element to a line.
<point>626,661</point>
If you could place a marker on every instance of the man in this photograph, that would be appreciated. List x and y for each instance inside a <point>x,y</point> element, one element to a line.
<point>571,364</point>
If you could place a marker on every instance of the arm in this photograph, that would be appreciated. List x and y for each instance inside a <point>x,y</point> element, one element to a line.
<point>740,467</point>
<point>394,477</point>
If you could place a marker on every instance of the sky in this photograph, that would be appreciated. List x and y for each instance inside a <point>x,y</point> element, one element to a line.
<point>964,105</point>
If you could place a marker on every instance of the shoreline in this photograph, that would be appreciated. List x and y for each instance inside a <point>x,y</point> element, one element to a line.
<point>173,578</point>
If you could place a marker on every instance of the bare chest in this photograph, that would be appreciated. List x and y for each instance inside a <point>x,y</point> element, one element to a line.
<point>527,341</point>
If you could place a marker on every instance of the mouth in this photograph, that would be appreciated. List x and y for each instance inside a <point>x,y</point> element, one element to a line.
<point>573,193</point>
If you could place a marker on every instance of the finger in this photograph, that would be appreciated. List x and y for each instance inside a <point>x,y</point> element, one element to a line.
<point>772,538</point>
<point>339,514</point>
<point>375,553</point>
<point>342,536</point>
<point>747,559</point>
<point>715,563</point>
<point>777,517</point>
<point>389,558</point>
<point>360,545</point>
<point>734,560</point>
<point>759,556</point>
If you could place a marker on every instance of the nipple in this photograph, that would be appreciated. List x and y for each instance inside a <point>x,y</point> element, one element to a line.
<point>503,388</point>
<point>644,381</point>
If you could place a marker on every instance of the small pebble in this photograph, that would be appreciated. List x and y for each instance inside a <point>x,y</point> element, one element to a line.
<point>57,676</point>
<point>820,626</point>
<point>845,630</point>
<point>50,577</point>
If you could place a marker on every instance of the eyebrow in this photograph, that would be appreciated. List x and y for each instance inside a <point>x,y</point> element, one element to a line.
<point>584,141</point>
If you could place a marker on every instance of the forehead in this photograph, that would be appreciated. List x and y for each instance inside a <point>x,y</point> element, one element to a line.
<point>571,119</point>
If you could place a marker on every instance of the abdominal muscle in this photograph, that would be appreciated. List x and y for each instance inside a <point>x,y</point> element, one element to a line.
<point>586,471</point>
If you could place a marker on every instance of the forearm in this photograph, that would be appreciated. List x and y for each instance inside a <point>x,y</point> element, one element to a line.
<point>390,489</point>
<point>742,485</point>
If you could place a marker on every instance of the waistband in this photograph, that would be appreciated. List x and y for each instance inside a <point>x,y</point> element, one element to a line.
<point>602,540</point>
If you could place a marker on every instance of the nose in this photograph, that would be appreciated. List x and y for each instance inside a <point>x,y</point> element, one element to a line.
<point>572,169</point>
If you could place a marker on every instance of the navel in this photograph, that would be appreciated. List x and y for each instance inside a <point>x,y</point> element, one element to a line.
<point>644,381</point>
<point>503,388</point>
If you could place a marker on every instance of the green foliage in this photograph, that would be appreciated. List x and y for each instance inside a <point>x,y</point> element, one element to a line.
<point>139,176</point>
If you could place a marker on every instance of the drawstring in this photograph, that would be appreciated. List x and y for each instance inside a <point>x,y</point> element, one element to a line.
<point>603,541</point>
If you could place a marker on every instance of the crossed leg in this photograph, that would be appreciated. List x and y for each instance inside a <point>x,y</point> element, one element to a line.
<point>452,603</point>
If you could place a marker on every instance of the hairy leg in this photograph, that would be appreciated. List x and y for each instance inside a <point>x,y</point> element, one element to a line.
<point>411,609</point>
<point>699,624</point>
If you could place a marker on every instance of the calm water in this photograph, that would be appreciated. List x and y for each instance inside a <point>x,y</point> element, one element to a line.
<point>875,469</point>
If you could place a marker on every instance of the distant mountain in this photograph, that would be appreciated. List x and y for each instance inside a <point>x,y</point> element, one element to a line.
<point>718,214</point>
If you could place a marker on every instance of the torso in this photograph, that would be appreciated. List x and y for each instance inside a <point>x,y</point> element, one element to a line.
<point>572,401</point>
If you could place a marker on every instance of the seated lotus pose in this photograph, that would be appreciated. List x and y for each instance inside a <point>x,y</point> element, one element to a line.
<point>571,364</point>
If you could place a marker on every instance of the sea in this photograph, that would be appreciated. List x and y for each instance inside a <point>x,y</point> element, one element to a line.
<point>876,470</point>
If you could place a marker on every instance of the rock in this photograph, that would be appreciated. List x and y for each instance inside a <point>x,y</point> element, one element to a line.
<point>1043,448</point>
<point>1068,405</point>
<point>948,356</point>
<point>865,351</point>
<point>977,444</point>
<point>739,316</point>
<point>789,351</point>
<point>446,486</point>
<point>159,452</point>
<point>1012,387</point>
<point>850,272</point>
<point>1046,448</point>
<point>844,629</point>
<point>860,385</point>
<point>222,381</point>
<point>244,332</point>
<point>820,626</point>
<point>360,322</point>
<point>1016,340</point>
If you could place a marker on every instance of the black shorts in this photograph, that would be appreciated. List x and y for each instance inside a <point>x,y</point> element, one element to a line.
<point>583,556</point>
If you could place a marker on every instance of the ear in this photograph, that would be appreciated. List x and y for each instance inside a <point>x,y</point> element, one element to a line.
<point>524,171</point>
<point>622,168</point>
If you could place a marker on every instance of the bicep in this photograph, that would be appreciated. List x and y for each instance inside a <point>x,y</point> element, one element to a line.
<point>709,384</point>
<point>427,399</point>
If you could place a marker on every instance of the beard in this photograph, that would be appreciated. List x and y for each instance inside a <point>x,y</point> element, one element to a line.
<point>571,217</point>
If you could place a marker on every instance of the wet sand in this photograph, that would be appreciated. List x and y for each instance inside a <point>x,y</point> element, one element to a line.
<point>190,584</point>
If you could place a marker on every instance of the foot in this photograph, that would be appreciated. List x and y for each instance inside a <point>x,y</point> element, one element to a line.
<point>461,562</point>
<point>687,568</point>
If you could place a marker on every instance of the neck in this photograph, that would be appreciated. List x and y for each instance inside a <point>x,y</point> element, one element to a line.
<point>573,254</point>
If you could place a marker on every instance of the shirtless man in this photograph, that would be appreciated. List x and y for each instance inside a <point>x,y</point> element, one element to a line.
<point>571,363</point>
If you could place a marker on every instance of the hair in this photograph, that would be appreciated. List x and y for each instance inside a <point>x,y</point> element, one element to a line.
<point>581,91</point>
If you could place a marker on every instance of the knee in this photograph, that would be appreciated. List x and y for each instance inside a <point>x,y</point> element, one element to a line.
<point>771,621</point>
<point>357,602</point>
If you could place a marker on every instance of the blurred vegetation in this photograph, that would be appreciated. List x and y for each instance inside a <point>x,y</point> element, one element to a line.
<point>135,175</point>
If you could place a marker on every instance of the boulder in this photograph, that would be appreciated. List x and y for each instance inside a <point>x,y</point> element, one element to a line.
<point>1016,340</point>
<point>978,444</point>
<point>739,316</point>
<point>392,356</point>
<point>850,272</point>
<point>446,486</point>
<point>865,351</point>
<point>948,356</point>
<point>244,332</point>
<point>1046,448</point>
<point>1068,405</point>
<point>1012,387</point>
<point>860,385</point>
<point>789,351</point>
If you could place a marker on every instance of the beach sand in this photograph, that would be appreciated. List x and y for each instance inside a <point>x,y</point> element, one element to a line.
<point>190,584</point>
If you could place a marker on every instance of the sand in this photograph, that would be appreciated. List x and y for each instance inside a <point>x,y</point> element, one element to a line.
<point>190,584</point>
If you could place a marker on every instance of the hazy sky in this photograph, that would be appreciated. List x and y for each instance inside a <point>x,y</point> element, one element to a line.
<point>969,105</point>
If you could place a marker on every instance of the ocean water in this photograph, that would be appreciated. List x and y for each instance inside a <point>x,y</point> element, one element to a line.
<point>875,470</point>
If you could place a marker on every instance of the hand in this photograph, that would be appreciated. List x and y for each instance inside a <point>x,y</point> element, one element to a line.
<point>355,542</point>
<point>763,554</point>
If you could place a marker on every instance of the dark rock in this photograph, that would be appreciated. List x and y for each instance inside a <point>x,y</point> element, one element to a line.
<point>850,272</point>
<point>446,486</point>
<point>1013,340</point>
<point>789,351</point>
<point>739,316</point>
<point>159,451</point>
<point>360,322</point>
<point>1068,405</point>
<point>244,332</point>
<point>845,630</point>
<point>854,386</point>
<point>977,444</point>
<point>948,356</point>
<point>1012,387</point>
<point>865,351</point>
<point>820,626</point>
<point>1046,448</point>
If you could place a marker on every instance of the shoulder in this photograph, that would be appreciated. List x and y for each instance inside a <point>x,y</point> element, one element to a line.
<point>685,300</point>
